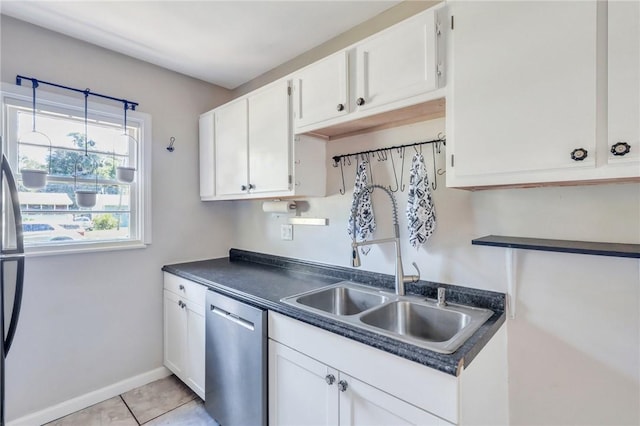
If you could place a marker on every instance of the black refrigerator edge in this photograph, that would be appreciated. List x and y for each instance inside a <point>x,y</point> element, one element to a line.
<point>11,267</point>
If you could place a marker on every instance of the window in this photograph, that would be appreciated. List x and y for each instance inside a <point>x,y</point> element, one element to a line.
<point>52,218</point>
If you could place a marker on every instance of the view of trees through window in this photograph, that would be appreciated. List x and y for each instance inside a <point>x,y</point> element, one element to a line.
<point>75,161</point>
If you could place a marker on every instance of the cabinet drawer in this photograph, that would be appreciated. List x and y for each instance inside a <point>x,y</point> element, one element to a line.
<point>188,290</point>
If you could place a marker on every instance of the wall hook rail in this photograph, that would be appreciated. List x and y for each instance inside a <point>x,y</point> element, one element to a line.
<point>337,158</point>
<point>383,154</point>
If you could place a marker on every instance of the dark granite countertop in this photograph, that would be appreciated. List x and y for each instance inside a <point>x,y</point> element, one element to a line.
<point>262,280</point>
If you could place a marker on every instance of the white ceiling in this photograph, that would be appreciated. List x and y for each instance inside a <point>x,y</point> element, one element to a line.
<point>223,42</point>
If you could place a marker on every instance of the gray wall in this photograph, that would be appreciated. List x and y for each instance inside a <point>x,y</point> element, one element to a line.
<point>91,320</point>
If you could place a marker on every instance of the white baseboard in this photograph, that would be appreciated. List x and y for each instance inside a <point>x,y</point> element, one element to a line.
<point>91,398</point>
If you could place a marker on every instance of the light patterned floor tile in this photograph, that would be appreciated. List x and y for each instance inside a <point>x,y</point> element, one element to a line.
<point>152,400</point>
<point>112,412</point>
<point>189,414</point>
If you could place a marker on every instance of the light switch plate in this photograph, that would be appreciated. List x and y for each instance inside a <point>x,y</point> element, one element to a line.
<point>286,232</point>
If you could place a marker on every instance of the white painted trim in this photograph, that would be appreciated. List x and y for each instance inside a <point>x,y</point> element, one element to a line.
<point>75,404</point>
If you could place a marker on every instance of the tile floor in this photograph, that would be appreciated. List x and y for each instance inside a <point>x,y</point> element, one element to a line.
<point>161,403</point>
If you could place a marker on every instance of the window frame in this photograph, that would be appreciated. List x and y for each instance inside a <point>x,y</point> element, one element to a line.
<point>140,189</point>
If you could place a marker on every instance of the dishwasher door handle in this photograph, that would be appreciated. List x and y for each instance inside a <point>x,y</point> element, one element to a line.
<point>233,318</point>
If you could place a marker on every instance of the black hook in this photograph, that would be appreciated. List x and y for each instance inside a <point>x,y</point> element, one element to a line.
<point>343,189</point>
<point>434,183</point>
<point>402,185</point>
<point>370,174</point>
<point>395,175</point>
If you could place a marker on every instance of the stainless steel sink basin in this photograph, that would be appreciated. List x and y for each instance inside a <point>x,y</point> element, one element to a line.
<point>410,319</point>
<point>341,300</point>
<point>417,321</point>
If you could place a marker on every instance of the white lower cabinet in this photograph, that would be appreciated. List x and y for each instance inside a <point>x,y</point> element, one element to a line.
<point>299,393</point>
<point>364,405</point>
<point>319,378</point>
<point>304,391</point>
<point>184,331</point>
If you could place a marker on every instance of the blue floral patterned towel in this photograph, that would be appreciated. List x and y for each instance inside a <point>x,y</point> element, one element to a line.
<point>365,222</point>
<point>421,213</point>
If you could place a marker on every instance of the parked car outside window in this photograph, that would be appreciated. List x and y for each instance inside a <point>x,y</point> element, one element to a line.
<point>35,232</point>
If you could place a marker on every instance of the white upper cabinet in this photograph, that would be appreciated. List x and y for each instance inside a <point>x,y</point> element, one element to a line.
<point>524,93</point>
<point>624,81</point>
<point>206,155</point>
<point>247,150</point>
<point>231,149</point>
<point>320,91</point>
<point>270,139</point>
<point>398,63</point>
<point>523,87</point>
<point>374,82</point>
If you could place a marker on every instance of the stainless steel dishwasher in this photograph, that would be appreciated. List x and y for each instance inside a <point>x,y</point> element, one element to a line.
<point>236,362</point>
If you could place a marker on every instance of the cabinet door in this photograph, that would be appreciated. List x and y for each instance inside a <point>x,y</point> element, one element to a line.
<point>398,63</point>
<point>175,334</point>
<point>231,171</point>
<point>364,405</point>
<point>270,139</point>
<point>624,78</point>
<point>320,91</point>
<point>207,164</point>
<point>195,348</point>
<point>299,394</point>
<point>523,87</point>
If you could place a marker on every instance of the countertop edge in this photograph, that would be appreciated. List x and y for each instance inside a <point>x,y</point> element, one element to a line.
<point>454,365</point>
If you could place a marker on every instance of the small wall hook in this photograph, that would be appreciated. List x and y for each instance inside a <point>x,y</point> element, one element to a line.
<point>172,140</point>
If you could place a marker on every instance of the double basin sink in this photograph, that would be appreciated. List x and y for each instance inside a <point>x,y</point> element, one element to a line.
<point>411,319</point>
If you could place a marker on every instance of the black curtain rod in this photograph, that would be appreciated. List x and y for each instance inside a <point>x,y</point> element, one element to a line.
<point>35,82</point>
<point>337,158</point>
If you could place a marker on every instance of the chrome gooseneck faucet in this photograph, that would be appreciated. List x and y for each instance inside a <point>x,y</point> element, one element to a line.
<point>400,279</point>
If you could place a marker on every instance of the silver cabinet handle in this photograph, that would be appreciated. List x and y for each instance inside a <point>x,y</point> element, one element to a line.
<point>330,379</point>
<point>342,385</point>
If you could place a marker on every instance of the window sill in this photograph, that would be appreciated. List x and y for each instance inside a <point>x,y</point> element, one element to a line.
<point>89,248</point>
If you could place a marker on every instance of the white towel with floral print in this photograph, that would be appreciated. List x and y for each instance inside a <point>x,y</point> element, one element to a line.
<point>421,213</point>
<point>365,222</point>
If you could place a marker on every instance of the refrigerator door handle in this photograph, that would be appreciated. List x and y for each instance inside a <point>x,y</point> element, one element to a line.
<point>17,302</point>
<point>15,204</point>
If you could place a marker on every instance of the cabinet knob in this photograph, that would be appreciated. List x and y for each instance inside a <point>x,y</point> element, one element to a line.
<point>181,287</point>
<point>243,187</point>
<point>252,186</point>
<point>182,304</point>
<point>620,148</point>
<point>342,385</point>
<point>578,154</point>
<point>340,107</point>
<point>360,101</point>
<point>330,379</point>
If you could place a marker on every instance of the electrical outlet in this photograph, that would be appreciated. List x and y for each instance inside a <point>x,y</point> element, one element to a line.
<point>286,232</point>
